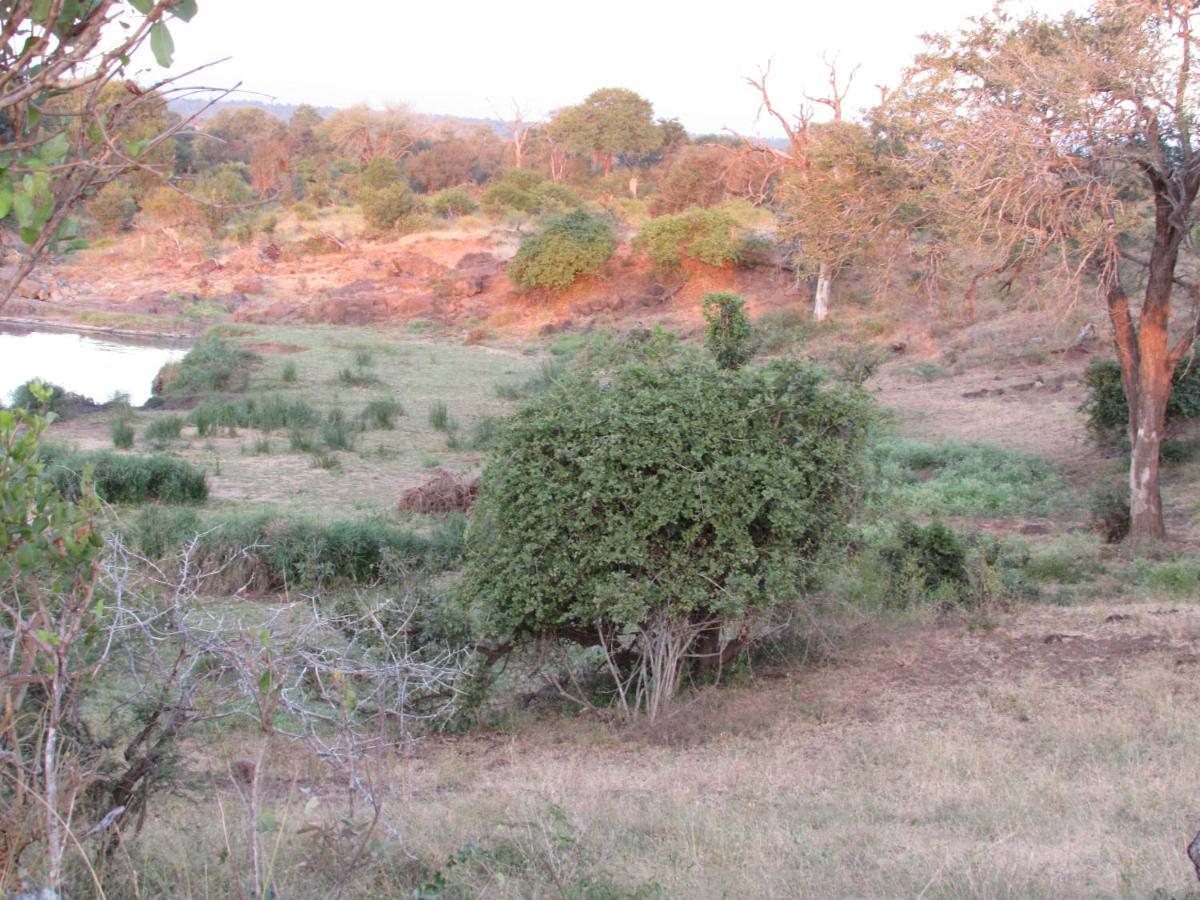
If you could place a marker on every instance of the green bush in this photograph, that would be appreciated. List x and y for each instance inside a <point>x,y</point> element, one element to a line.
<point>643,497</point>
<point>381,172</point>
<point>266,414</point>
<point>337,433</point>
<point>576,244</point>
<point>1108,512</point>
<point>288,373</point>
<point>165,428</point>
<point>212,365</point>
<point>122,478</point>
<point>706,235</point>
<point>121,432</point>
<point>1107,410</point>
<point>727,333</point>
<point>113,207</point>
<point>513,190</point>
<point>924,561</point>
<point>452,203</point>
<point>381,413</point>
<point>294,553</point>
<point>383,208</point>
<point>56,400</point>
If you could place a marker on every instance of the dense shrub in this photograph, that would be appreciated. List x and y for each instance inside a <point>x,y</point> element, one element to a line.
<point>383,208</point>
<point>705,235</point>
<point>121,432</point>
<point>123,478</point>
<point>572,245</point>
<point>381,413</point>
<point>513,190</point>
<point>634,502</point>
<point>165,428</point>
<point>379,173</point>
<point>727,333</point>
<point>1107,410</point>
<point>212,364</point>
<point>924,560</point>
<point>451,203</point>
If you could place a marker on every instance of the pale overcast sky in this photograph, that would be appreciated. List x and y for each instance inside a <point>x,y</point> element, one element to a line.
<point>473,58</point>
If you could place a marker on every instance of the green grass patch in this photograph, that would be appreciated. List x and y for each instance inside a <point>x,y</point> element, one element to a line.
<point>954,479</point>
<point>164,428</point>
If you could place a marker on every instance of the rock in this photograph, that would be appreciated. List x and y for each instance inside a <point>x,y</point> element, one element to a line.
<point>485,264</point>
<point>414,265</point>
<point>251,285</point>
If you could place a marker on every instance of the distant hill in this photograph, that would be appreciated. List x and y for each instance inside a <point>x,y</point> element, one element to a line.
<point>283,112</point>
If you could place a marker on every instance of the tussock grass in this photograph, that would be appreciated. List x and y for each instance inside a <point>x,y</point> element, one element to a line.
<point>125,478</point>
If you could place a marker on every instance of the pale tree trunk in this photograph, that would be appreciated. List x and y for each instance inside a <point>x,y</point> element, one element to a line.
<point>821,294</point>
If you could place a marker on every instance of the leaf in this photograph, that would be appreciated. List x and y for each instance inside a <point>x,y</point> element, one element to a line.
<point>55,149</point>
<point>161,44</point>
<point>142,6</point>
<point>40,11</point>
<point>264,681</point>
<point>29,234</point>
<point>22,204</point>
<point>6,198</point>
<point>184,10</point>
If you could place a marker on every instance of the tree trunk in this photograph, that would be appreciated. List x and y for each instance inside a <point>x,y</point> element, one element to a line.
<point>821,294</point>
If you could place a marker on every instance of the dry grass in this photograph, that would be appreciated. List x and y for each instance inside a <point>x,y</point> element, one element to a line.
<point>939,762</point>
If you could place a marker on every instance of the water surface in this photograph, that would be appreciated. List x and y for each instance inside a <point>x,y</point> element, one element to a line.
<point>96,367</point>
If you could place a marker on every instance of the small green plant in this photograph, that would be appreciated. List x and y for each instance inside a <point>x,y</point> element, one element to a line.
<point>122,434</point>
<point>727,333</point>
<point>288,374</point>
<point>381,413</point>
<point>347,377</point>
<point>1108,512</point>
<point>336,432</point>
<point>928,371</point>
<point>363,358</point>
<point>567,248</point>
<point>164,428</point>
<point>300,441</point>
<point>261,446</point>
<point>439,417</point>
<point>857,364</point>
<point>323,459</point>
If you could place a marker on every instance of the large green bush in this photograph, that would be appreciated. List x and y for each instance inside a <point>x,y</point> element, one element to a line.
<point>1107,410</point>
<point>661,502</point>
<point>569,246</point>
<point>706,235</point>
<point>728,334</point>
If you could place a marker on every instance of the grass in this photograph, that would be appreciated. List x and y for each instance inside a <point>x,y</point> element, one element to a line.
<point>122,433</point>
<point>123,478</point>
<point>164,428</point>
<point>838,782</point>
<point>381,413</point>
<point>953,479</point>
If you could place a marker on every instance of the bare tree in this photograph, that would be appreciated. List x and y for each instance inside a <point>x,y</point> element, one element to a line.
<point>1071,140</point>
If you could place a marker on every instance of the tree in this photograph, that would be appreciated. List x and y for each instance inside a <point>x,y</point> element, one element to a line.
<point>1072,140</point>
<point>56,51</point>
<point>609,123</point>
<point>661,511</point>
<point>360,134</point>
<point>832,189</point>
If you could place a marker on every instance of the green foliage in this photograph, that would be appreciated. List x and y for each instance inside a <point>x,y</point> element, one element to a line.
<point>383,208</point>
<point>224,190</point>
<point>609,122</point>
<point>337,432</point>
<point>522,190</point>
<point>924,559</point>
<point>1107,410</point>
<point>1108,512</point>
<point>293,553</point>
<point>31,397</point>
<point>381,172</point>
<point>676,489</point>
<point>381,413</point>
<point>48,540</point>
<point>787,329</point>
<point>705,235</point>
<point>727,332</point>
<point>288,373</point>
<point>121,432</point>
<point>576,244</point>
<point>123,478</point>
<point>451,203</point>
<point>212,365</point>
<point>858,363</point>
<point>439,417</point>
<point>165,428</point>
<point>113,207</point>
<point>969,480</point>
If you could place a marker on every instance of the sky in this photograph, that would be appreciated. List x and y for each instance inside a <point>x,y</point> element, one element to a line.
<point>473,58</point>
